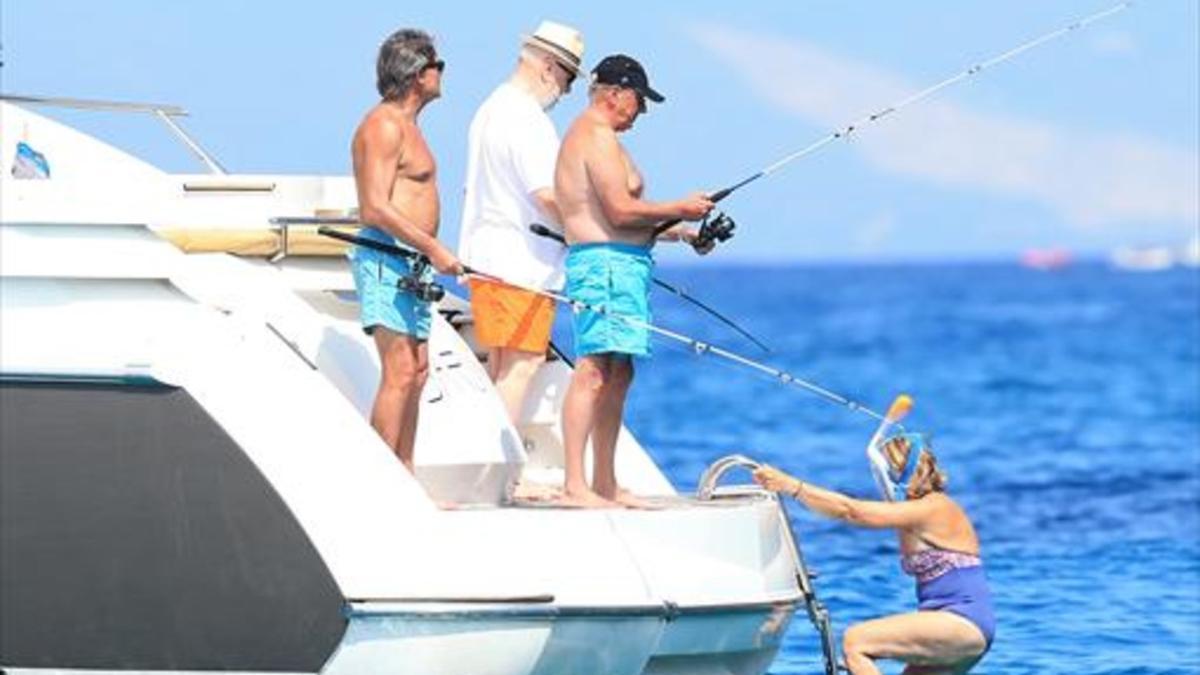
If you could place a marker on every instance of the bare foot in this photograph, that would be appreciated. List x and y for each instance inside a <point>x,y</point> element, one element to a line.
<point>535,492</point>
<point>631,501</point>
<point>585,499</point>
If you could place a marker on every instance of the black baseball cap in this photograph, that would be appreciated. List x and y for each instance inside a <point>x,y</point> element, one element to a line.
<point>624,71</point>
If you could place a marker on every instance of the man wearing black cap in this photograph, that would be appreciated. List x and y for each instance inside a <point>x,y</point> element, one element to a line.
<point>608,226</point>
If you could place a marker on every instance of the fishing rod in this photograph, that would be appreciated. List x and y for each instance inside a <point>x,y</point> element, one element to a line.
<point>433,292</point>
<point>429,291</point>
<point>846,131</point>
<point>699,347</point>
<point>543,231</point>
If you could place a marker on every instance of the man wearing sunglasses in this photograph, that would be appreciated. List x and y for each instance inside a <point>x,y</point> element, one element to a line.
<point>607,223</point>
<point>512,147</point>
<point>396,179</point>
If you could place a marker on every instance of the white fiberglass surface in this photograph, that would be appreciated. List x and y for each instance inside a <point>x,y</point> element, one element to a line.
<point>85,251</point>
<point>65,326</point>
<point>733,554</point>
<point>72,155</point>
<point>374,526</point>
<point>91,181</point>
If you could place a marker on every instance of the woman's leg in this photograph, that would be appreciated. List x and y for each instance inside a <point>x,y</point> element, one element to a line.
<point>931,642</point>
<point>960,669</point>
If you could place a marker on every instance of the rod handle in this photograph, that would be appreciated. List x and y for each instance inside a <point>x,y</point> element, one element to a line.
<point>369,243</point>
<point>714,197</point>
<point>543,231</point>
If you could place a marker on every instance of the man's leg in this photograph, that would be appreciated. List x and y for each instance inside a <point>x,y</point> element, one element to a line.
<point>493,363</point>
<point>515,370</point>
<point>412,404</point>
<point>579,419</point>
<point>610,412</point>
<point>404,369</point>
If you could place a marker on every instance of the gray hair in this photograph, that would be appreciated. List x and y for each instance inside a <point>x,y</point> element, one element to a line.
<point>532,54</point>
<point>536,55</point>
<point>402,57</point>
<point>597,88</point>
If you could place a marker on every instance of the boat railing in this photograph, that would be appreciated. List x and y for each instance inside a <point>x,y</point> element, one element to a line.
<point>707,487</point>
<point>818,614</point>
<point>283,225</point>
<point>165,113</point>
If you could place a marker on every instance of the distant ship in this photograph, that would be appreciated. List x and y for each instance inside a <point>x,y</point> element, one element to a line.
<point>1156,258</point>
<point>1142,259</point>
<point>1046,258</point>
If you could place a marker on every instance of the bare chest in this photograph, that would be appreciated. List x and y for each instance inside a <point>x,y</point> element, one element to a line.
<point>633,177</point>
<point>417,164</point>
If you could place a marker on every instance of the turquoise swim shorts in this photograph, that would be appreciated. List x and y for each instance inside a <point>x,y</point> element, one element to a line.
<point>616,277</point>
<point>381,302</point>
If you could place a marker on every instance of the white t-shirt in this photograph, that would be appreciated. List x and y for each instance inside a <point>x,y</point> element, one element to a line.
<point>511,150</point>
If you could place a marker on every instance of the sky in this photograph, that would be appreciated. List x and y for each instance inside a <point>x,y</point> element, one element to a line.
<point>1086,143</point>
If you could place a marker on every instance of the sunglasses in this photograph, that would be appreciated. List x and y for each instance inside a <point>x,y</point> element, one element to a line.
<point>571,74</point>
<point>641,100</point>
<point>438,65</point>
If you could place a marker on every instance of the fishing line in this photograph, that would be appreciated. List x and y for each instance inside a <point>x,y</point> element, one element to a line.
<point>698,347</point>
<point>543,231</point>
<point>846,131</point>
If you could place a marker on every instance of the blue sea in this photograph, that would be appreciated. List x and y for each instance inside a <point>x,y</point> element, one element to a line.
<point>1064,405</point>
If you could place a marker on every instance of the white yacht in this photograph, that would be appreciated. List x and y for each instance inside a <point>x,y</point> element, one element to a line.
<point>189,483</point>
<point>1156,258</point>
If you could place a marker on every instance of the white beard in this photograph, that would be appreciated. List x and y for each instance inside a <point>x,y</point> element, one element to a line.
<point>549,99</point>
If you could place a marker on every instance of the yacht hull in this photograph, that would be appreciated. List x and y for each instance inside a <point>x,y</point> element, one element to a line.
<point>189,482</point>
<point>551,641</point>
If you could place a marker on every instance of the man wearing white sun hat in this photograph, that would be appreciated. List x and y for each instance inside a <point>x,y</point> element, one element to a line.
<point>512,149</point>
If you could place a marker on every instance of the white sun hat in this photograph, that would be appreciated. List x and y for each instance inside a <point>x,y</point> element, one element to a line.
<point>562,42</point>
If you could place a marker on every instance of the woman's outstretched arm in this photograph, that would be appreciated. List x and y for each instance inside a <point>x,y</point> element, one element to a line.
<point>865,513</point>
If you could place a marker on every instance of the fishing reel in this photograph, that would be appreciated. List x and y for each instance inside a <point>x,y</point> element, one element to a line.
<point>426,291</point>
<point>716,228</point>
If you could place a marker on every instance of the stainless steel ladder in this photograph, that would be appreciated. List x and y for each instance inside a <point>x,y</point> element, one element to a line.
<point>817,613</point>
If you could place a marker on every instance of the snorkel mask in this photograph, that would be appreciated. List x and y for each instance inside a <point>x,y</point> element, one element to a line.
<point>893,482</point>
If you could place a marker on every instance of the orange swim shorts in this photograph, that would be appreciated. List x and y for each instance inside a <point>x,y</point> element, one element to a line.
<point>510,317</point>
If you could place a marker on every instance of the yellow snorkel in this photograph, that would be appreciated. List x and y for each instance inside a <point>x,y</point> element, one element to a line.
<point>880,468</point>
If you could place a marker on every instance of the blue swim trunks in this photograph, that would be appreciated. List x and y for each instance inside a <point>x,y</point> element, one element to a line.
<point>381,301</point>
<point>616,277</point>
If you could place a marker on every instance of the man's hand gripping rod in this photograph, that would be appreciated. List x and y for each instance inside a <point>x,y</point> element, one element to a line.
<point>427,291</point>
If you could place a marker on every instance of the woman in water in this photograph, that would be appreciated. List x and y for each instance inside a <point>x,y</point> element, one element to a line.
<point>954,624</point>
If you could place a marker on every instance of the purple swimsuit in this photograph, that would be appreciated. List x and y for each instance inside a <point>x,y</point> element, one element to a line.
<point>954,582</point>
